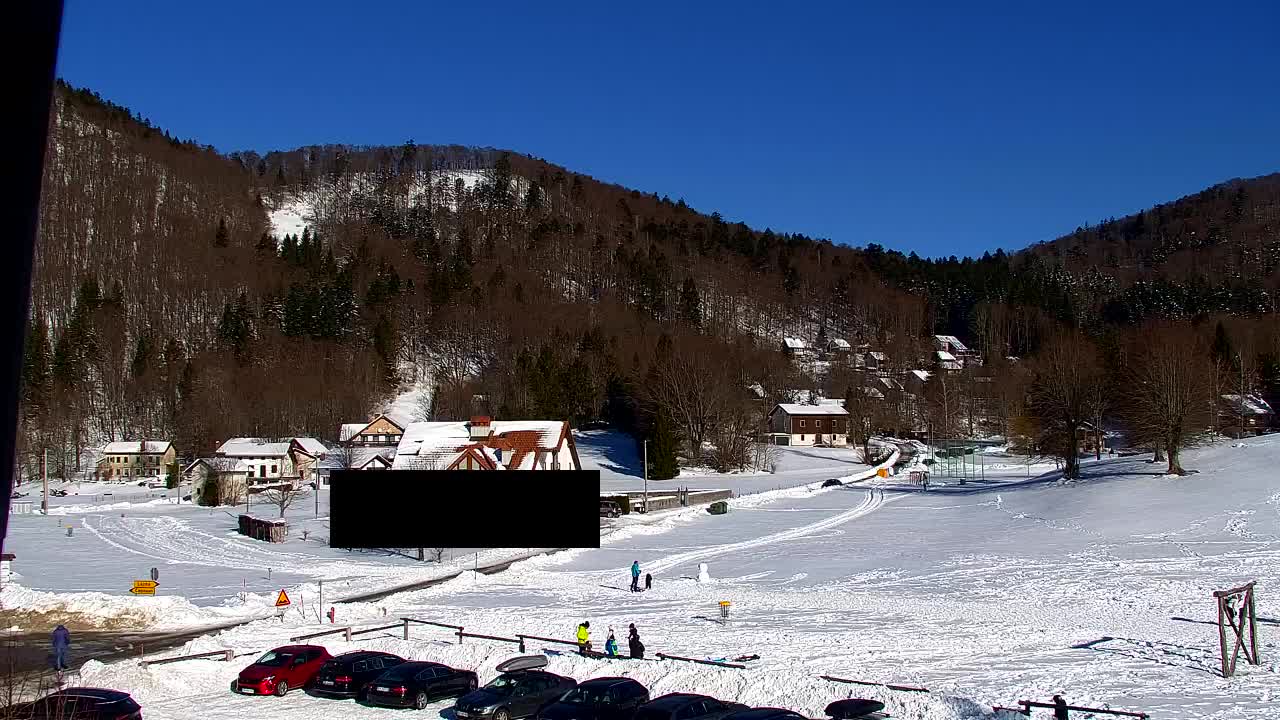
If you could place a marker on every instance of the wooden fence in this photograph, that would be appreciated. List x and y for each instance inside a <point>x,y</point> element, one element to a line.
<point>274,531</point>
<point>226,655</point>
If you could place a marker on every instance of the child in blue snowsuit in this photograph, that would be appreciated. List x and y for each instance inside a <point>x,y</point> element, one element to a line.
<point>635,576</point>
<point>611,645</point>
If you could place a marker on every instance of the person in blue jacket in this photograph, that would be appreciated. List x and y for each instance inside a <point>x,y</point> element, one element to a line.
<point>611,645</point>
<point>635,576</point>
<point>61,644</point>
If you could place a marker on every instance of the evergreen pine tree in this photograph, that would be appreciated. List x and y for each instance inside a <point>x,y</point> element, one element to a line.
<point>37,369</point>
<point>221,238</point>
<point>1222,351</point>
<point>690,303</point>
<point>663,463</point>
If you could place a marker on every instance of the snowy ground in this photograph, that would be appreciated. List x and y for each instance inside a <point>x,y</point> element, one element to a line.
<point>987,593</point>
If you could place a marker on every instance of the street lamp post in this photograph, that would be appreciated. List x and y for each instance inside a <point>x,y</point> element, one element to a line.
<point>646,475</point>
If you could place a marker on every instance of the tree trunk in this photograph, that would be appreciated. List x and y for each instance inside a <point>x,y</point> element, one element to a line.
<point>1159,453</point>
<point>1175,465</point>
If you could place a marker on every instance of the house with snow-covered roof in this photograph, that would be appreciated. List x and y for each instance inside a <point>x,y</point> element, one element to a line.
<point>796,424</point>
<point>217,480</point>
<point>272,461</point>
<point>1256,413</point>
<point>381,431</point>
<point>349,457</point>
<point>128,459</point>
<point>486,444</point>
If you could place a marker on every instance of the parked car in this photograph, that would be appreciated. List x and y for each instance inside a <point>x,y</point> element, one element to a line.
<point>607,698</point>
<point>520,691</point>
<point>686,706</point>
<point>765,713</point>
<point>281,670</point>
<point>346,675</point>
<point>78,704</point>
<point>856,709</point>
<point>610,508</point>
<point>416,684</point>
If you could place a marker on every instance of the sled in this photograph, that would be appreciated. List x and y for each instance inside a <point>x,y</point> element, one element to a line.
<point>854,709</point>
<point>524,662</point>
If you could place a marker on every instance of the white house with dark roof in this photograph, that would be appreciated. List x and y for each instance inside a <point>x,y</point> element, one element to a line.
<point>826,424</point>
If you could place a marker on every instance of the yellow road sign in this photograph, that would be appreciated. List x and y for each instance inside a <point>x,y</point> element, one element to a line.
<point>282,600</point>
<point>145,584</point>
<point>143,590</point>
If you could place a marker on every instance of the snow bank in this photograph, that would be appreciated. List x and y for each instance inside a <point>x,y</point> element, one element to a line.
<point>113,611</point>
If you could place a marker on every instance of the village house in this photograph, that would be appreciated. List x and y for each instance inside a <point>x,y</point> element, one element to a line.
<point>839,349</point>
<point>794,424</point>
<point>381,431</point>
<point>874,361</point>
<point>1256,413</point>
<point>129,459</point>
<point>943,360</point>
<point>486,444</point>
<point>217,480</point>
<point>355,458</point>
<point>275,461</point>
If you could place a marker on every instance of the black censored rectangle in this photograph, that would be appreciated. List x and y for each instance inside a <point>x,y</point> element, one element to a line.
<point>464,508</point>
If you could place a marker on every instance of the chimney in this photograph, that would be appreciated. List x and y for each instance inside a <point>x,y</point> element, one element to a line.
<point>479,427</point>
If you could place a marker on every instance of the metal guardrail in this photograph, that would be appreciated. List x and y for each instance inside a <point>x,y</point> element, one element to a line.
<point>903,688</point>
<point>345,631</point>
<point>226,655</point>
<point>716,663</point>
<point>372,630</point>
<point>1028,704</point>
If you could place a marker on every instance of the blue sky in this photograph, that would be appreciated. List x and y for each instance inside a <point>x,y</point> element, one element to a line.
<point>943,128</point>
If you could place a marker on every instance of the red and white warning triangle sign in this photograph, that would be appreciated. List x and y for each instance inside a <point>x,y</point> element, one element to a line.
<point>283,600</point>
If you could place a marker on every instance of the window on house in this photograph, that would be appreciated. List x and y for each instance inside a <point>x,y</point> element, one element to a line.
<point>801,423</point>
<point>817,424</point>
<point>273,470</point>
<point>802,438</point>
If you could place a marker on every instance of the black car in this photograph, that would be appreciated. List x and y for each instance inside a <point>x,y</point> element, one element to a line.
<point>686,706</point>
<point>78,704</point>
<point>608,698</point>
<point>416,684</point>
<point>513,695</point>
<point>856,709</point>
<point>765,713</point>
<point>346,675</point>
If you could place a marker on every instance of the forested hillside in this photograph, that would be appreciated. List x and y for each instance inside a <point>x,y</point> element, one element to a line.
<point>167,305</point>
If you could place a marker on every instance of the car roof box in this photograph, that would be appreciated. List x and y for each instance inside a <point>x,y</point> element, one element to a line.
<point>853,708</point>
<point>524,662</point>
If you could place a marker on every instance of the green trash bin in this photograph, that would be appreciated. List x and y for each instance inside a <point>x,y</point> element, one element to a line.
<point>719,507</point>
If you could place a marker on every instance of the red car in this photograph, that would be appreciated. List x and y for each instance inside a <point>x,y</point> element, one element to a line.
<point>281,670</point>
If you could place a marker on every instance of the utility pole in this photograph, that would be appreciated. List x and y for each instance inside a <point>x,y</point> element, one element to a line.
<point>44,476</point>
<point>646,475</point>
<point>1240,362</point>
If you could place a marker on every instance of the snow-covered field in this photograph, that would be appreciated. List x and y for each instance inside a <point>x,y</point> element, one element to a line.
<point>987,593</point>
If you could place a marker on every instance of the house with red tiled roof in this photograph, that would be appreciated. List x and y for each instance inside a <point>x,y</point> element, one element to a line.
<point>486,444</point>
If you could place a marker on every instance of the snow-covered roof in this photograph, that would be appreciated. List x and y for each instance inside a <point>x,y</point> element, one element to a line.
<point>878,355</point>
<point>797,409</point>
<point>794,343</point>
<point>944,356</point>
<point>253,447</point>
<point>951,341</point>
<point>889,383</point>
<point>756,389</point>
<point>1252,403</point>
<point>831,401</point>
<point>350,430</point>
<point>360,457</point>
<point>137,447</point>
<point>435,445</point>
<point>840,344</point>
<point>872,392</point>
<point>220,464</point>
<point>312,446</point>
<point>921,375</point>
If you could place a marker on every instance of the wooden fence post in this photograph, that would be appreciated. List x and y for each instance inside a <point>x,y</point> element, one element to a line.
<point>406,629</point>
<point>347,634</point>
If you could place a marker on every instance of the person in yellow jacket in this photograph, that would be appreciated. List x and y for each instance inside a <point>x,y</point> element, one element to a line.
<point>584,638</point>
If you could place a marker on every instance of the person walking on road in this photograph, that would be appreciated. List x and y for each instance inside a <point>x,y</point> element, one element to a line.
<point>61,644</point>
<point>1059,708</point>
<point>584,637</point>
<point>633,641</point>
<point>611,645</point>
<point>635,576</point>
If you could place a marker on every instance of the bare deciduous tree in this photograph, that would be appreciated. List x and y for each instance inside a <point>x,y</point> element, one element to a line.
<point>282,496</point>
<point>1063,395</point>
<point>1167,400</point>
<point>689,386</point>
